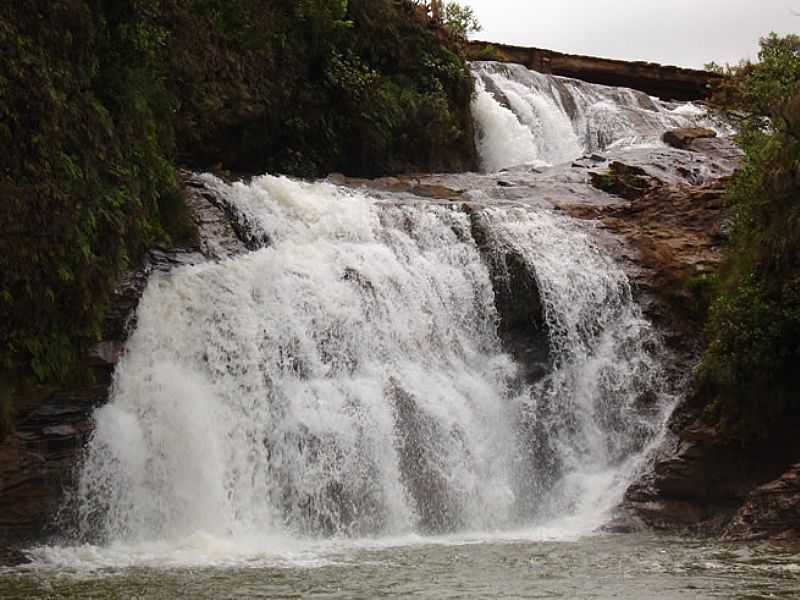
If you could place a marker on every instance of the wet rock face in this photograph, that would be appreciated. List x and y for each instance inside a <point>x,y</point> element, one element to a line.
<point>770,511</point>
<point>37,460</point>
<point>521,327</point>
<point>439,512</point>
<point>702,481</point>
<point>696,485</point>
<point>685,138</point>
<point>673,235</point>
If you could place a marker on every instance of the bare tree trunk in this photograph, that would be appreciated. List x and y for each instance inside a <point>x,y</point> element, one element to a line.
<point>436,9</point>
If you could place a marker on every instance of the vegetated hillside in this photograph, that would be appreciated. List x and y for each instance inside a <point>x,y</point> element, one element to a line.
<point>750,368</point>
<point>101,100</point>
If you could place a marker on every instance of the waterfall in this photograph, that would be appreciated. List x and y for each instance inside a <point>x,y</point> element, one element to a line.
<point>525,117</point>
<point>605,397</point>
<point>348,379</point>
<point>334,382</point>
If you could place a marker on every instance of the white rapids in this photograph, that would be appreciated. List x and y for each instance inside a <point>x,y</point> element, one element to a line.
<point>525,117</point>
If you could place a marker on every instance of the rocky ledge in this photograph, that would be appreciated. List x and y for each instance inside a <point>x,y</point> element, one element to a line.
<point>770,511</point>
<point>666,82</point>
<point>703,482</point>
<point>673,232</point>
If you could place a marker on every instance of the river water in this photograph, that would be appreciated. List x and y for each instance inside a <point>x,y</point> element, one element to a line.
<point>482,566</point>
<point>339,413</point>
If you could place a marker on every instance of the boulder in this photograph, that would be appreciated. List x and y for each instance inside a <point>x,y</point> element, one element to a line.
<point>626,181</point>
<point>770,511</point>
<point>704,481</point>
<point>685,137</point>
<point>522,327</point>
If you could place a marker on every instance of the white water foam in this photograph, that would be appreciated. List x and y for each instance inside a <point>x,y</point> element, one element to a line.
<point>593,421</point>
<point>347,383</point>
<point>273,392</point>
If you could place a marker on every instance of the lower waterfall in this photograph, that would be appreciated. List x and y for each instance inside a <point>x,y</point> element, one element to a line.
<point>348,379</point>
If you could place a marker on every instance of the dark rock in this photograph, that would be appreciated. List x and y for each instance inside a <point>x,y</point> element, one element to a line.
<point>624,522</point>
<point>702,480</point>
<point>10,557</point>
<point>684,138</point>
<point>626,181</point>
<point>770,511</point>
<point>439,510</point>
<point>522,327</point>
<point>224,229</point>
<point>106,354</point>
<point>37,461</point>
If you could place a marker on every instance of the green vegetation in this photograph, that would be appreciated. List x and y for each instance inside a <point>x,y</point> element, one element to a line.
<point>460,21</point>
<point>487,52</point>
<point>86,177</point>
<point>754,323</point>
<point>363,87</point>
<point>101,100</point>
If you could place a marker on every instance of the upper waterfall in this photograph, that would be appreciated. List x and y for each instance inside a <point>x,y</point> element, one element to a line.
<point>527,117</point>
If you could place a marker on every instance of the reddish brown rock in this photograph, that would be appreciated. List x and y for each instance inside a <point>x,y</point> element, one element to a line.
<point>37,461</point>
<point>625,181</point>
<point>770,511</point>
<point>700,481</point>
<point>675,233</point>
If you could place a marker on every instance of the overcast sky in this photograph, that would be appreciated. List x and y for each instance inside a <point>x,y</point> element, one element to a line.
<point>679,32</point>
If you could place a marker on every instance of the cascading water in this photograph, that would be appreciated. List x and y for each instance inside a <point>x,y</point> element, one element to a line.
<point>525,117</point>
<point>605,398</point>
<point>346,379</point>
<point>374,393</point>
<point>349,377</point>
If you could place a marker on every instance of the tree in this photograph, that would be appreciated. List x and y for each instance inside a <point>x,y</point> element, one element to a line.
<point>754,324</point>
<point>460,21</point>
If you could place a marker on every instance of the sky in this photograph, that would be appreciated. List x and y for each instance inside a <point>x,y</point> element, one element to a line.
<point>678,32</point>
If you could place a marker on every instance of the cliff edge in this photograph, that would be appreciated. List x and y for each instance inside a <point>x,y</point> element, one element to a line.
<point>666,82</point>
